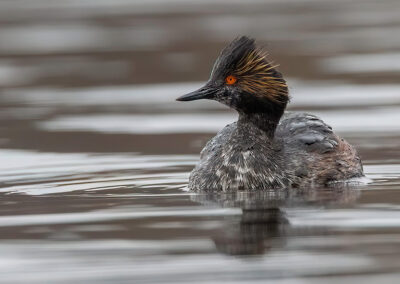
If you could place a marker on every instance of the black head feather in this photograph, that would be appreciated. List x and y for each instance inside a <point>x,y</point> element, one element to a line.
<point>231,55</point>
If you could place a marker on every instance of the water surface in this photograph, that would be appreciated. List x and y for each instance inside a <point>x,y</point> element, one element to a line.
<point>95,152</point>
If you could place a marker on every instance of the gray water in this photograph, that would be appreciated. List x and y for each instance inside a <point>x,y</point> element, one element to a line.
<point>95,152</point>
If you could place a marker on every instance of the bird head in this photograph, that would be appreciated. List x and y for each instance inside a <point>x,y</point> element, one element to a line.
<point>243,79</point>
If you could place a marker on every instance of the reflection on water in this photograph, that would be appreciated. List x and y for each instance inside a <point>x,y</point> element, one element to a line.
<point>95,152</point>
<point>254,234</point>
<point>264,222</point>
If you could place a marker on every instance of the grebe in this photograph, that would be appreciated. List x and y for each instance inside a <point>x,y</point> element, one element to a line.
<point>266,148</point>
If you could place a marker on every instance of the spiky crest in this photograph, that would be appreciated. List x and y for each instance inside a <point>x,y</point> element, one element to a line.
<point>258,76</point>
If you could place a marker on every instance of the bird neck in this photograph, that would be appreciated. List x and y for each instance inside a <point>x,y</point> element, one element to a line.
<point>261,111</point>
<point>263,121</point>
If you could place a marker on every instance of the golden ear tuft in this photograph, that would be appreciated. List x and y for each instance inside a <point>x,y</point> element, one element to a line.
<point>260,77</point>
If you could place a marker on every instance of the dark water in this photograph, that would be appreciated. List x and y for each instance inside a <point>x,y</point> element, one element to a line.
<point>95,153</point>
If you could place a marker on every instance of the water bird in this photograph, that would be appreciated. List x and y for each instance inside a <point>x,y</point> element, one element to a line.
<point>266,148</point>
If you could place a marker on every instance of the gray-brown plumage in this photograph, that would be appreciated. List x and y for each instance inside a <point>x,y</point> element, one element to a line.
<point>266,148</point>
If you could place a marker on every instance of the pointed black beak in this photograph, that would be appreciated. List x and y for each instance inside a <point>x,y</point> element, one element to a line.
<point>205,92</point>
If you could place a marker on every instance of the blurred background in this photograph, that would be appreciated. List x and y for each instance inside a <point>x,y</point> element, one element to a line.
<point>95,151</point>
<point>108,66</point>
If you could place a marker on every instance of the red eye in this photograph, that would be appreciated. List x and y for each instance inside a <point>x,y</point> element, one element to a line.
<point>230,80</point>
